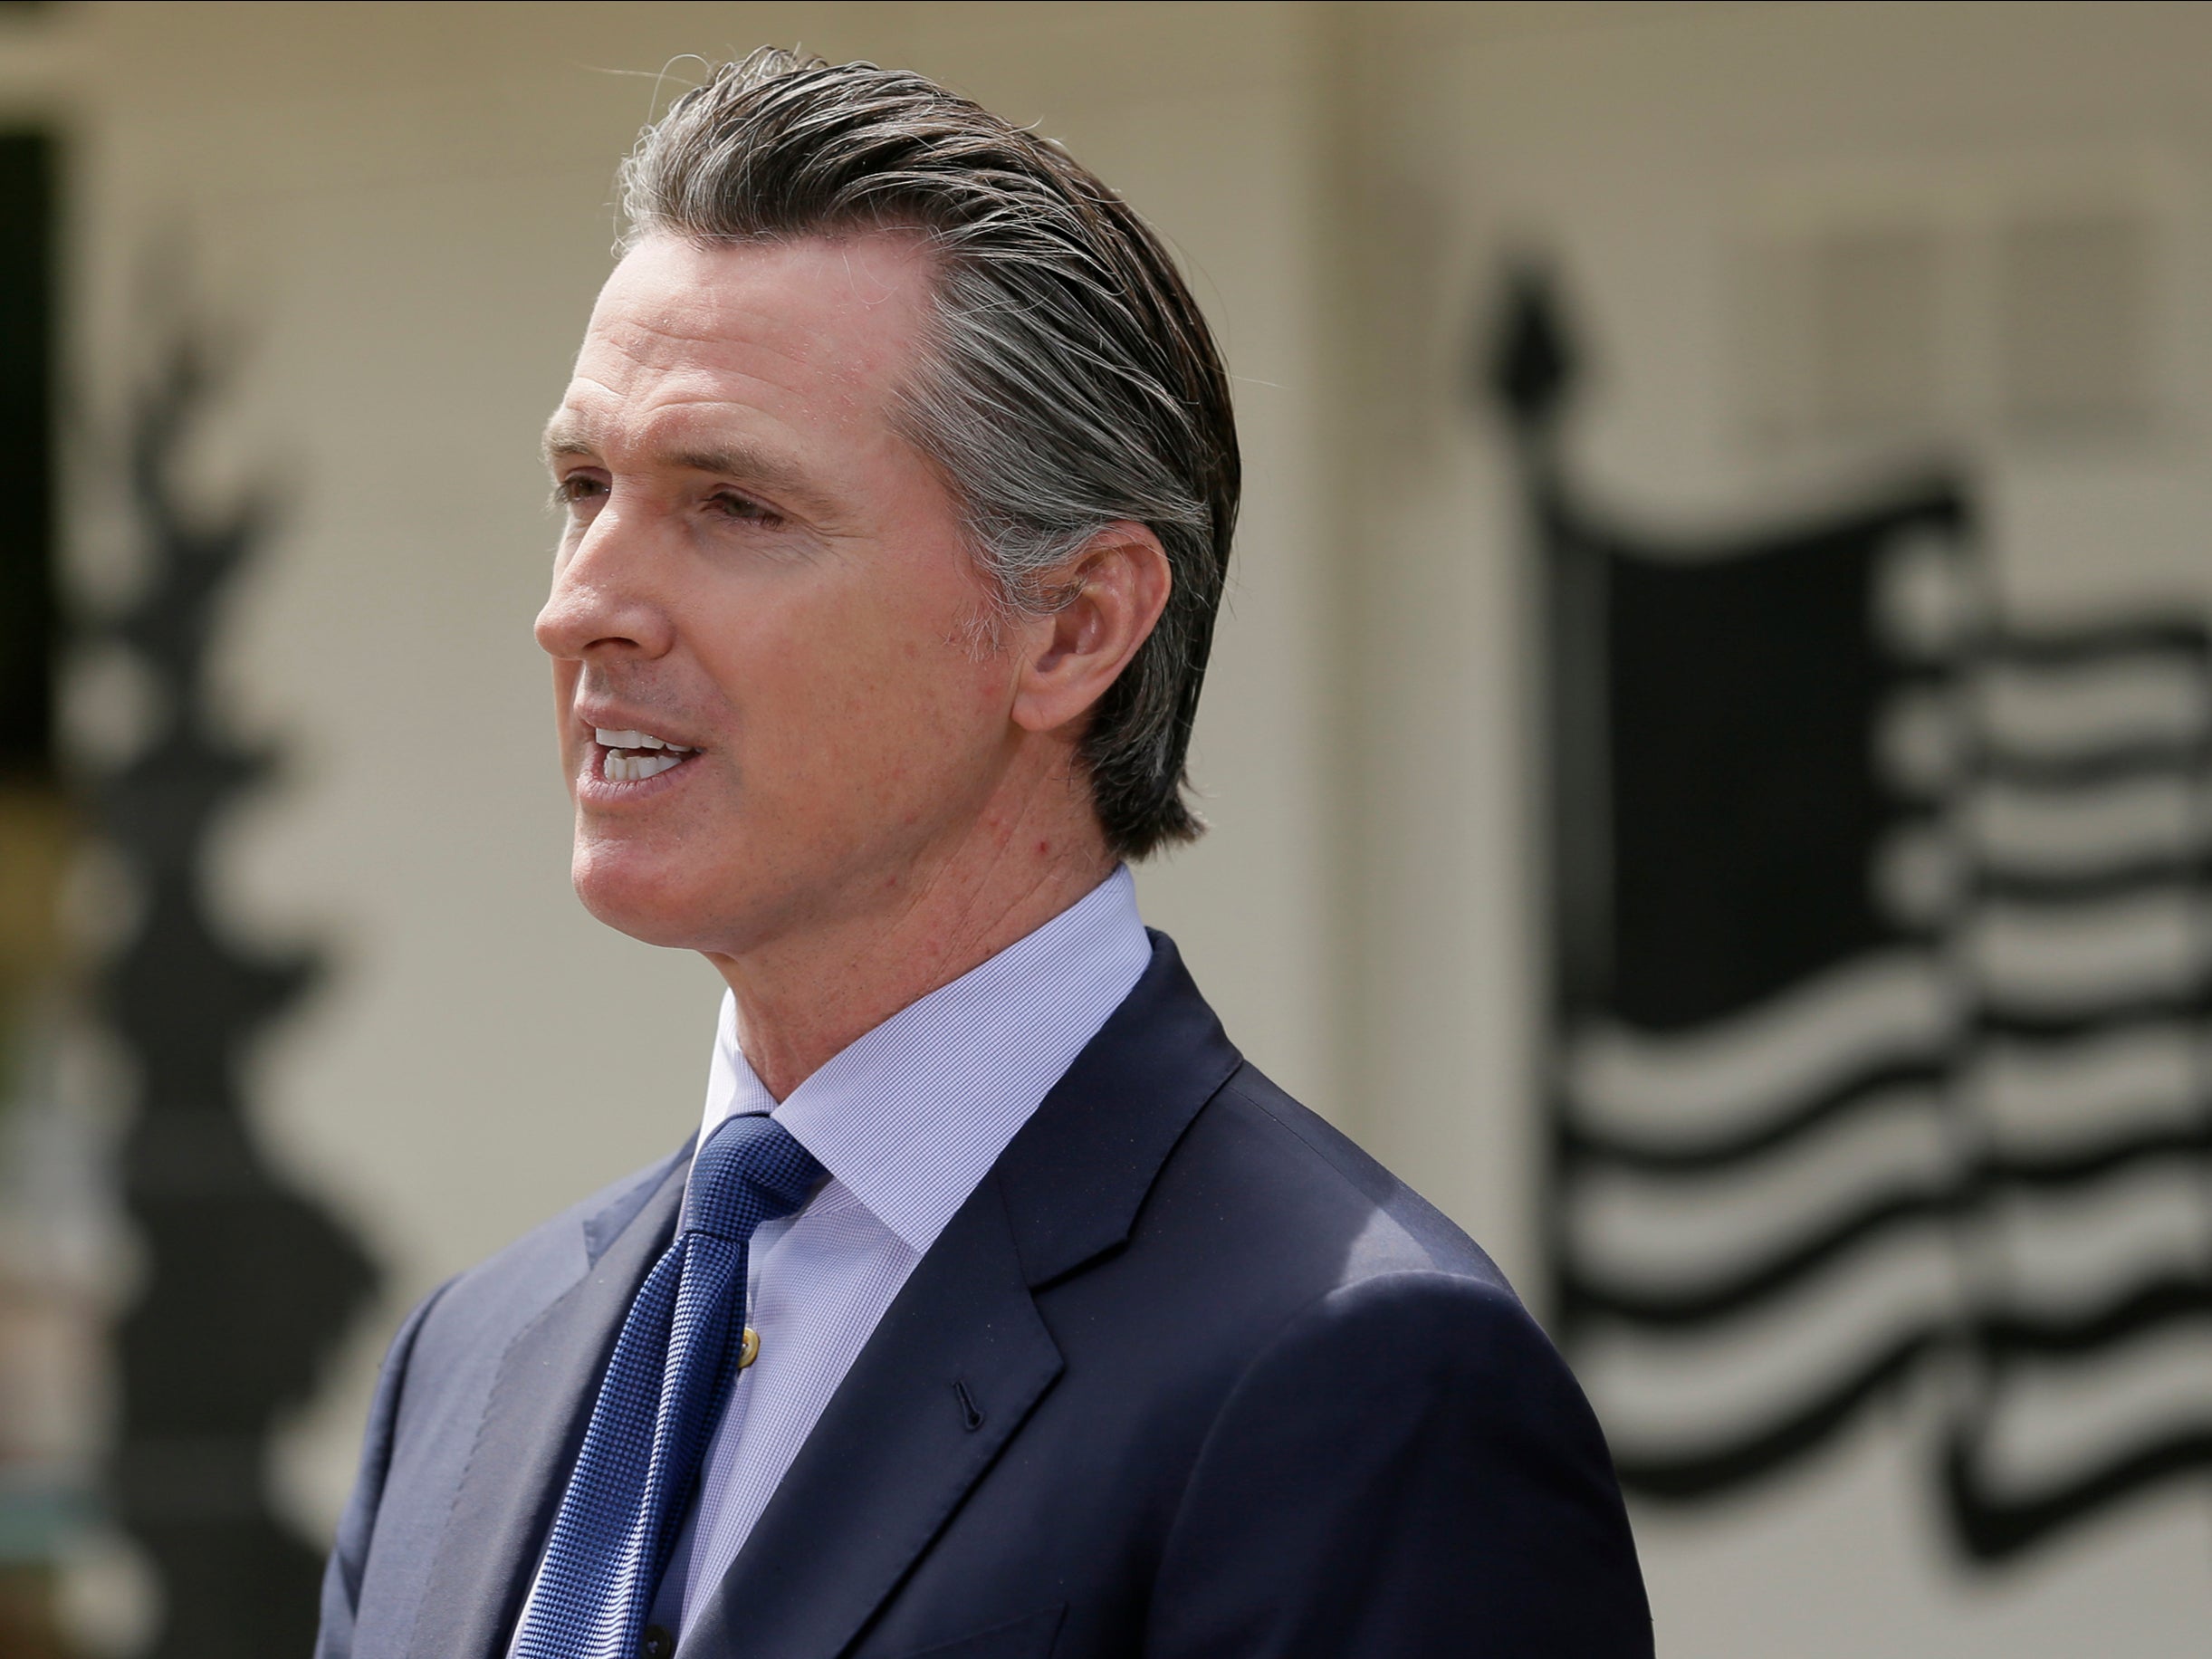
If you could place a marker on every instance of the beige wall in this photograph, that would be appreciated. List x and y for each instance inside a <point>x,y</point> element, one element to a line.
<point>404,209</point>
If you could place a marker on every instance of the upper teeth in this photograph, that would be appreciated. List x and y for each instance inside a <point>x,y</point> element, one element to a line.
<point>636,740</point>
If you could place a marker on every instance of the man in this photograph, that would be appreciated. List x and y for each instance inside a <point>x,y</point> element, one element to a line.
<point>1004,1311</point>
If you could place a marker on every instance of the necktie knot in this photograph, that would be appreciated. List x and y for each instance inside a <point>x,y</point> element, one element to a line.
<point>751,1170</point>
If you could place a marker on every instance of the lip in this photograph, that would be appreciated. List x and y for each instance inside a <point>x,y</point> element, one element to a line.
<point>594,788</point>
<point>593,717</point>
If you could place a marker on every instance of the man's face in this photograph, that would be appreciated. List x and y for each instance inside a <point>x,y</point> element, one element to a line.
<point>758,571</point>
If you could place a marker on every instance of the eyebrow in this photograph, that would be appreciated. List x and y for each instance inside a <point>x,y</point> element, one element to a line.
<point>744,463</point>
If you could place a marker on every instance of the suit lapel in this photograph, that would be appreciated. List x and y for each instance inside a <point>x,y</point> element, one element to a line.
<point>533,1424</point>
<point>956,1365</point>
<point>962,1355</point>
<point>1080,1169</point>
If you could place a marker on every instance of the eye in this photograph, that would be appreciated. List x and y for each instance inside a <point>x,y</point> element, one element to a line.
<point>578,488</point>
<point>742,509</point>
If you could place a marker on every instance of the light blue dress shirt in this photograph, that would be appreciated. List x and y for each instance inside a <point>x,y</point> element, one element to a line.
<point>906,1120</point>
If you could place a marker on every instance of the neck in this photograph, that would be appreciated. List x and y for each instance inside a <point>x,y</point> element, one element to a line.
<point>803,998</point>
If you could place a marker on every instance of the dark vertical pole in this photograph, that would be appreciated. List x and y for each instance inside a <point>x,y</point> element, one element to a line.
<point>39,1508</point>
<point>28,238</point>
<point>1529,372</point>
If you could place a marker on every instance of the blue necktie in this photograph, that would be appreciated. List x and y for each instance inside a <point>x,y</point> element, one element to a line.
<point>673,1366</point>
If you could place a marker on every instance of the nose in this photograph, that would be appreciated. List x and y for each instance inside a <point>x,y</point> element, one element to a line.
<point>603,601</point>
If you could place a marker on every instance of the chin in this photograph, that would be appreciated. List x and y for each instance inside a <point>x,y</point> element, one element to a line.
<point>655,901</point>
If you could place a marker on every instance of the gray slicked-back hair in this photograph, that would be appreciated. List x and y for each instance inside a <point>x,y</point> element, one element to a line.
<point>1070,381</point>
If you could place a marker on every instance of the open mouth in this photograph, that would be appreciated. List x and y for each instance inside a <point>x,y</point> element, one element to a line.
<point>632,757</point>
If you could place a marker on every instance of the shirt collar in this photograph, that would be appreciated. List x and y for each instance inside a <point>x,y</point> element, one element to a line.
<point>910,1116</point>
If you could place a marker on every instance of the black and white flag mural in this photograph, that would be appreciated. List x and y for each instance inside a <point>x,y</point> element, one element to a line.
<point>1879,1001</point>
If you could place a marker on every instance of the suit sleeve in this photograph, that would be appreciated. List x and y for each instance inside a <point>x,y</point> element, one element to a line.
<point>1410,1469</point>
<point>341,1574</point>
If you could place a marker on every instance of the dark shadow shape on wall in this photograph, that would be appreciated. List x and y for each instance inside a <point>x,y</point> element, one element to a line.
<point>248,1285</point>
<point>1717,820</point>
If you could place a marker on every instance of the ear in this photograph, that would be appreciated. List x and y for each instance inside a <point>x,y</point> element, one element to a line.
<point>1114,588</point>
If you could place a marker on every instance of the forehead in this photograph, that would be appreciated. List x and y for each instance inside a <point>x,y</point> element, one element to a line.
<point>816,332</point>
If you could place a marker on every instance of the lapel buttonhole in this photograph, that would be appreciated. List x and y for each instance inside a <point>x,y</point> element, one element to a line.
<point>971,1414</point>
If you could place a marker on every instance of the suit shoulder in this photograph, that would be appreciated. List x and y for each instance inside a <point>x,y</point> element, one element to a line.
<point>493,1298</point>
<point>1308,1193</point>
<point>1426,1408</point>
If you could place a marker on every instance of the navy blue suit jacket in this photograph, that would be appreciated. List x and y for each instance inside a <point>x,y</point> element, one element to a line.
<point>1189,1377</point>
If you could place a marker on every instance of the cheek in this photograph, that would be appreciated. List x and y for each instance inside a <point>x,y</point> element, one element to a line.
<point>893,670</point>
<point>935,693</point>
<point>858,694</point>
<point>906,744</point>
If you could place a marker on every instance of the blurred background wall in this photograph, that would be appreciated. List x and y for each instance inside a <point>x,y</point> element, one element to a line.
<point>320,269</point>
